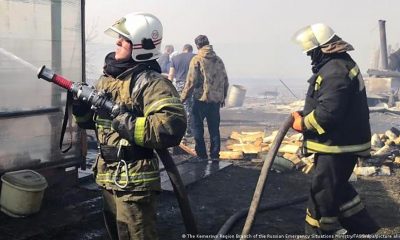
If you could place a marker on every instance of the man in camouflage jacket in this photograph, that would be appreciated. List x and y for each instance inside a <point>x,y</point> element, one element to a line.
<point>208,81</point>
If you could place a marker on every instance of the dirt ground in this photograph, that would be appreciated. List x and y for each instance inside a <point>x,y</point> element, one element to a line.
<point>216,198</point>
<point>76,212</point>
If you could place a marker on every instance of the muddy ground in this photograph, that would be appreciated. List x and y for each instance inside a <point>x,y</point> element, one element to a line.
<point>75,213</point>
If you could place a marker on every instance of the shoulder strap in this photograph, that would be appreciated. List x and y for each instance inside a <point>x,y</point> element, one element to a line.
<point>68,105</point>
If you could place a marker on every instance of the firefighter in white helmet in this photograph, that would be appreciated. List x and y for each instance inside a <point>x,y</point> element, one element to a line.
<point>335,125</point>
<point>143,30</point>
<point>153,117</point>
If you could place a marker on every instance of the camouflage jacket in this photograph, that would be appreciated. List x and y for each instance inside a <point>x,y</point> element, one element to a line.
<point>160,123</point>
<point>206,78</point>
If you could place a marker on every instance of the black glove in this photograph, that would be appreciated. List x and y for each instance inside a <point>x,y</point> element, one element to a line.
<point>124,124</point>
<point>79,108</point>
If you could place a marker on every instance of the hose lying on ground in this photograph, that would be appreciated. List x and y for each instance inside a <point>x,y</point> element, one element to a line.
<point>254,206</point>
<point>268,160</point>
<point>228,225</point>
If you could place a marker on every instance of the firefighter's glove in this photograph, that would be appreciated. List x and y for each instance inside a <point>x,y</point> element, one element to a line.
<point>297,122</point>
<point>79,108</point>
<point>124,124</point>
<point>99,101</point>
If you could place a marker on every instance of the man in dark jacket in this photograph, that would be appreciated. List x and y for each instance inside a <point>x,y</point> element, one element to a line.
<point>177,74</point>
<point>335,125</point>
<point>165,60</point>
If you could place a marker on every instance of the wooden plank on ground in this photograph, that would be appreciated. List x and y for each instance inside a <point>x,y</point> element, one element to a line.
<point>247,137</point>
<point>289,148</point>
<point>231,155</point>
<point>247,148</point>
<point>187,149</point>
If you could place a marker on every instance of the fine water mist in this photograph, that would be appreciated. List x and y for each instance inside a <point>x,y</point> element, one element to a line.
<point>18,59</point>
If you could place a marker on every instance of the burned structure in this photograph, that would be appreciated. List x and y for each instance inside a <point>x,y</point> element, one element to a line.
<point>31,111</point>
<point>382,84</point>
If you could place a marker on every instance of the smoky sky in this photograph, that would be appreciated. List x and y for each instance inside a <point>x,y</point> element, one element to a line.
<point>253,37</point>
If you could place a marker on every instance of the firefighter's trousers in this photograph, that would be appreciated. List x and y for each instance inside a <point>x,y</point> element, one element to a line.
<point>333,202</point>
<point>130,215</point>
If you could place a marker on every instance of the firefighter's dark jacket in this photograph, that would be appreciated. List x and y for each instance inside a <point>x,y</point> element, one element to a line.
<point>336,114</point>
<point>160,122</point>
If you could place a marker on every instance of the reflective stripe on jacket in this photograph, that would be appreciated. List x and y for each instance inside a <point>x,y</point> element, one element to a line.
<point>336,114</point>
<point>160,123</point>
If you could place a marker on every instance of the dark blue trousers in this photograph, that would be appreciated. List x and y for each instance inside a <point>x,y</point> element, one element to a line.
<point>209,111</point>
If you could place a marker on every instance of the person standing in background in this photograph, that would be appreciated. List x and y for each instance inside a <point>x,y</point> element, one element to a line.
<point>208,82</point>
<point>178,73</point>
<point>164,59</point>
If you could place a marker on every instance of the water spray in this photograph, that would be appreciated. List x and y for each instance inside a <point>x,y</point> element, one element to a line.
<point>17,59</point>
<point>83,92</point>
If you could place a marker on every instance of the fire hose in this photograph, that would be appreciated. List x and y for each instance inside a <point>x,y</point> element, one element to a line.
<point>268,160</point>
<point>99,101</point>
<point>254,207</point>
<point>264,175</point>
<point>228,225</point>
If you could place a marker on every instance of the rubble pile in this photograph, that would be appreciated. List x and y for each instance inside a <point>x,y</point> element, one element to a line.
<point>294,106</point>
<point>385,153</point>
<point>255,145</point>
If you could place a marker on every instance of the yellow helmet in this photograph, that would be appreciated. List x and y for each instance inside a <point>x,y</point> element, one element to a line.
<point>313,36</point>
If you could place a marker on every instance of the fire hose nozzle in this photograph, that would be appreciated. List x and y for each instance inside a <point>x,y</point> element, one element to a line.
<point>46,74</point>
<point>83,92</point>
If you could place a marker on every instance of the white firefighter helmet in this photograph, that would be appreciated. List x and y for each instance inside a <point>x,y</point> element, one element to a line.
<point>144,30</point>
<point>313,36</point>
